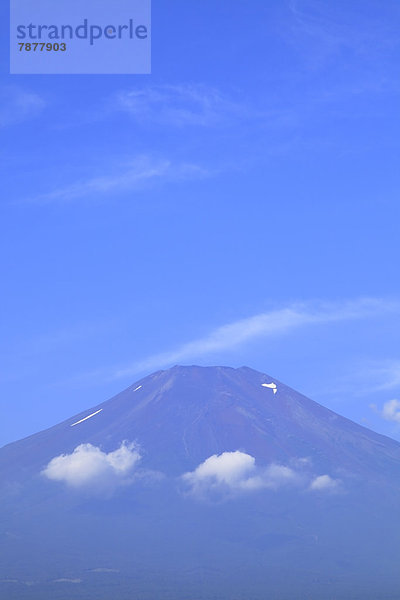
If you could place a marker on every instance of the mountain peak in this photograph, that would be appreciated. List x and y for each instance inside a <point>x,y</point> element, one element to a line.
<point>181,416</point>
<point>203,473</point>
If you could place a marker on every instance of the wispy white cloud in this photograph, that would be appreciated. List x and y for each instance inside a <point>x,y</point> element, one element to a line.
<point>18,105</point>
<point>135,175</point>
<point>186,106</point>
<point>367,378</point>
<point>322,33</point>
<point>268,324</point>
<point>89,468</point>
<point>324,483</point>
<point>385,375</point>
<point>390,410</point>
<point>180,105</point>
<point>316,22</point>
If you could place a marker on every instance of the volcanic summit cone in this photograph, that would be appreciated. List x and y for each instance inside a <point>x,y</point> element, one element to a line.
<point>201,483</point>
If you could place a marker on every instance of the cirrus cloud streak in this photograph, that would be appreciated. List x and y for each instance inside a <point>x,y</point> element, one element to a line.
<point>264,325</point>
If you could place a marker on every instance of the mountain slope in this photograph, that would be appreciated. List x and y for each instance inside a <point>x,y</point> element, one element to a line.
<point>201,482</point>
<point>185,414</point>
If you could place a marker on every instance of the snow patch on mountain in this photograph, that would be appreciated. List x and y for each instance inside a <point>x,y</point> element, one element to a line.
<point>104,570</point>
<point>272,386</point>
<point>86,418</point>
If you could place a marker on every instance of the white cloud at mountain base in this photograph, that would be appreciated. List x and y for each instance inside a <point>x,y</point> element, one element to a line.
<point>324,483</point>
<point>90,468</point>
<point>230,473</point>
<point>234,472</point>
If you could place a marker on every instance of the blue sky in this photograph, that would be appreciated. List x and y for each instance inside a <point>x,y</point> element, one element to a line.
<point>237,206</point>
